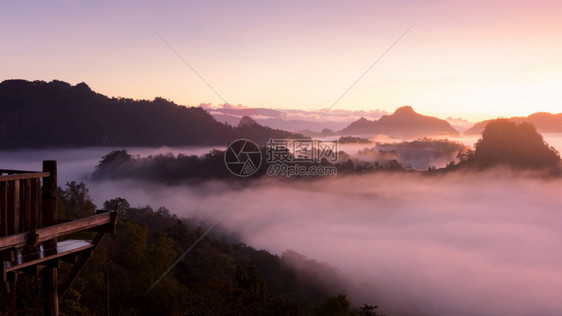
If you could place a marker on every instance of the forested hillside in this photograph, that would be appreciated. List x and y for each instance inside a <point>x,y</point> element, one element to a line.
<point>57,114</point>
<point>220,276</point>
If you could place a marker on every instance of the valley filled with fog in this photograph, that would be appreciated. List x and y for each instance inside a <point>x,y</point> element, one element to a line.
<point>484,243</point>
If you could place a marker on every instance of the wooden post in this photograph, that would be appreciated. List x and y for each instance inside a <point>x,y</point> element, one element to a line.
<point>49,217</point>
<point>3,209</point>
<point>11,287</point>
<point>50,282</point>
<point>50,193</point>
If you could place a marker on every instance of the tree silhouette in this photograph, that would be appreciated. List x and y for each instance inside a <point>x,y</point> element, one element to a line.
<point>519,146</point>
<point>335,306</point>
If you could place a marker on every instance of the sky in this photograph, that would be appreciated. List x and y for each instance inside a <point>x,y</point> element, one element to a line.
<point>470,59</point>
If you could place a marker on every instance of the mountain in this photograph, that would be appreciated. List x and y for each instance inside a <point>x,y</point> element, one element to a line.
<point>459,123</point>
<point>544,123</point>
<point>246,120</point>
<point>404,123</point>
<point>57,114</point>
<point>294,120</point>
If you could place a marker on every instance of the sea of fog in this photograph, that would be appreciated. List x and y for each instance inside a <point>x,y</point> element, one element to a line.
<point>459,244</point>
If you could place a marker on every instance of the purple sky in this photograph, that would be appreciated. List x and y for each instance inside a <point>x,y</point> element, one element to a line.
<point>474,59</point>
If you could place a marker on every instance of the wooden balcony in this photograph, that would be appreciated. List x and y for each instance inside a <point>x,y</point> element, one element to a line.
<point>29,229</point>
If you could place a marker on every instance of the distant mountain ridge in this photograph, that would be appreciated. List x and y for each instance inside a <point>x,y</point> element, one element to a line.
<point>293,120</point>
<point>543,121</point>
<point>57,114</point>
<point>404,122</point>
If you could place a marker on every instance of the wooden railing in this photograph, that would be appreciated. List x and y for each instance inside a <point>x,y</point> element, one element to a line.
<point>20,201</point>
<point>29,229</point>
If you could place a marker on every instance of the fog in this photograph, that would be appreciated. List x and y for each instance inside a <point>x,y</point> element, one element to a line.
<point>484,244</point>
<point>459,244</point>
<point>75,164</point>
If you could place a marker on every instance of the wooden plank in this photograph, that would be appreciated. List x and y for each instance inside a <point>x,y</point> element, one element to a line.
<point>13,171</point>
<point>49,217</point>
<point>24,176</point>
<point>4,272</point>
<point>25,201</point>
<point>45,233</point>
<point>13,207</point>
<point>3,209</point>
<point>46,253</point>
<point>35,196</point>
<point>49,203</point>
<point>9,206</point>
<point>16,207</point>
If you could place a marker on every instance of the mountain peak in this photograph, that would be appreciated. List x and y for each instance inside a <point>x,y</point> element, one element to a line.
<point>404,110</point>
<point>545,122</point>
<point>246,120</point>
<point>83,86</point>
<point>404,122</point>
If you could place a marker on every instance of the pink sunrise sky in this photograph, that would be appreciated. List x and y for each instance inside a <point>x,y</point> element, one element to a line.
<point>474,59</point>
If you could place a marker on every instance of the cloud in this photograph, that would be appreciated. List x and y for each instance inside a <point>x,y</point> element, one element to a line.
<point>291,119</point>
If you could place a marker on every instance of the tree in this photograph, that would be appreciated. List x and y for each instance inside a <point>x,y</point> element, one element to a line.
<point>334,306</point>
<point>366,310</point>
<point>519,146</point>
<point>75,201</point>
